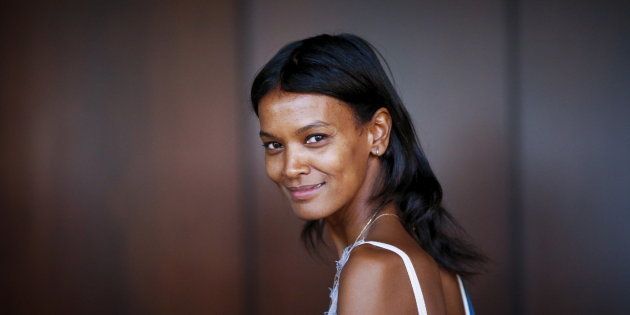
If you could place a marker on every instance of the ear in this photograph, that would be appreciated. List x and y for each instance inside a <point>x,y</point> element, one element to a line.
<point>379,130</point>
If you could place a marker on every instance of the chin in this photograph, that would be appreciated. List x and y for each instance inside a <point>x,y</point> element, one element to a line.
<point>308,212</point>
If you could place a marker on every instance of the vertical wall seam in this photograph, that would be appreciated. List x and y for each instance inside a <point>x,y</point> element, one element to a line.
<point>514,145</point>
<point>249,243</point>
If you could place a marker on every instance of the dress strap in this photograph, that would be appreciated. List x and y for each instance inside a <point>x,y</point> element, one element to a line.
<point>415,284</point>
<point>467,307</point>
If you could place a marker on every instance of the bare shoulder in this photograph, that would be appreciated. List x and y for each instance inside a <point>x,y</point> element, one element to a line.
<point>375,281</point>
<point>371,260</point>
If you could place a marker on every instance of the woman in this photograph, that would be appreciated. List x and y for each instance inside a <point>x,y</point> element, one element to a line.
<point>341,146</point>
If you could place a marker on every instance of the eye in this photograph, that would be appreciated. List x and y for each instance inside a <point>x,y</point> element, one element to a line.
<point>272,145</point>
<point>315,138</point>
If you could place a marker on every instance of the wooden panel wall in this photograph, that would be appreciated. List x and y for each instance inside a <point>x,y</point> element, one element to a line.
<point>119,159</point>
<point>131,180</point>
<point>575,153</point>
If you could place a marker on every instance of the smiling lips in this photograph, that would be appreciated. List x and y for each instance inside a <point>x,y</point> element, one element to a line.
<point>301,193</point>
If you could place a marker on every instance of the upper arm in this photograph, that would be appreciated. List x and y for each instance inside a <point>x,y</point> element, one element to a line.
<point>452,295</point>
<point>374,281</point>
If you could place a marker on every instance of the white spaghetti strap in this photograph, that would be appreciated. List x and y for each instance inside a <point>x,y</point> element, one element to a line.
<point>464,297</point>
<point>415,284</point>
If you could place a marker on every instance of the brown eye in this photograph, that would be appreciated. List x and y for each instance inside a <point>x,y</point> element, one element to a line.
<point>315,138</point>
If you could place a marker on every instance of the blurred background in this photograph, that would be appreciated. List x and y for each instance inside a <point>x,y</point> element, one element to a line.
<point>132,181</point>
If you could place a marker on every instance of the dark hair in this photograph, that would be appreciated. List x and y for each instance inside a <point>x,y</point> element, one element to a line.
<point>347,68</point>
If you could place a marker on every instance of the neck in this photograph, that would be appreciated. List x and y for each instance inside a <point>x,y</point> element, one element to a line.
<point>346,224</point>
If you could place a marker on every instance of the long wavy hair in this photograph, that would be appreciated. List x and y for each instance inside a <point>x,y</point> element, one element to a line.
<point>348,68</point>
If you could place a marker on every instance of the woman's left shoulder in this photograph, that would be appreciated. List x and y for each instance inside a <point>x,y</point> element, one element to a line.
<point>375,281</point>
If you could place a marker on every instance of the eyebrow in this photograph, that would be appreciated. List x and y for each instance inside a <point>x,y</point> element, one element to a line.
<point>315,124</point>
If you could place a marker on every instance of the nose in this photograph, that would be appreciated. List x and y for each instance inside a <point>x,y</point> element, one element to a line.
<point>295,164</point>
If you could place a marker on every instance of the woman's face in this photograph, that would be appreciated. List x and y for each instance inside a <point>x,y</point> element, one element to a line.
<point>315,151</point>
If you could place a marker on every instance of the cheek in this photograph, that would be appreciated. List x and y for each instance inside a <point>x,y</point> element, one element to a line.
<point>356,165</point>
<point>331,161</point>
<point>273,166</point>
<point>347,163</point>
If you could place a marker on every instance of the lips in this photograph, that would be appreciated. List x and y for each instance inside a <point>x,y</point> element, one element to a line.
<point>305,192</point>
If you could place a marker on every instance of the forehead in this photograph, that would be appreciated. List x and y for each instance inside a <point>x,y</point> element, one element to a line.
<point>282,110</point>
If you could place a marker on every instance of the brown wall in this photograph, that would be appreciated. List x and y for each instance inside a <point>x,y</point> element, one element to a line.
<point>132,179</point>
<point>119,159</point>
<point>575,149</point>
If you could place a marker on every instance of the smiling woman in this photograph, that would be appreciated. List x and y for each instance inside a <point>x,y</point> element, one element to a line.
<point>315,151</point>
<point>340,145</point>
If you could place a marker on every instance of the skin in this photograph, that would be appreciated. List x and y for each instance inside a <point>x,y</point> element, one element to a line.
<point>326,164</point>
